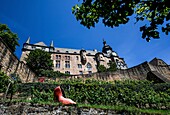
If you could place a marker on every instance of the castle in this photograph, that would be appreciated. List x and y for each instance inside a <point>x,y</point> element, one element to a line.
<point>156,70</point>
<point>76,61</point>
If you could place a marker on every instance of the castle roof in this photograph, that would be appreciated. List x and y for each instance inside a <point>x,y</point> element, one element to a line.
<point>40,43</point>
<point>28,40</point>
<point>76,51</point>
<point>106,47</point>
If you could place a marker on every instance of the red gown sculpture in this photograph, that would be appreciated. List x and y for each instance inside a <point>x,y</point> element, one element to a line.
<point>59,96</point>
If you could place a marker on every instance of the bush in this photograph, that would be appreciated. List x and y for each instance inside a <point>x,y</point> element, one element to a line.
<point>101,68</point>
<point>51,73</point>
<point>142,94</point>
<point>4,81</point>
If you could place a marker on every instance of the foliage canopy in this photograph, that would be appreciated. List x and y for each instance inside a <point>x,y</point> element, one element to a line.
<point>39,60</point>
<point>4,81</point>
<point>116,12</point>
<point>10,38</point>
<point>101,68</point>
<point>112,67</point>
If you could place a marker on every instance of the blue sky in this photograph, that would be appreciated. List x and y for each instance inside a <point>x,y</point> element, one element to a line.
<point>47,20</point>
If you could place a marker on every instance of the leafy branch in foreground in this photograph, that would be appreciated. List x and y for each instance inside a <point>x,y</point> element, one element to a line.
<point>116,12</point>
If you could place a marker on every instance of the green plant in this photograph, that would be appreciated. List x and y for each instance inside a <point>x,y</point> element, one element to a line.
<point>39,60</point>
<point>10,38</point>
<point>4,81</point>
<point>141,94</point>
<point>101,68</point>
<point>51,73</point>
<point>112,67</point>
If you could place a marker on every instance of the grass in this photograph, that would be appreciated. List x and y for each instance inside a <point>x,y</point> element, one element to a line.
<point>128,109</point>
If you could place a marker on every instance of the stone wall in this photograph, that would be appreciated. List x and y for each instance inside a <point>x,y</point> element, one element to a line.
<point>37,109</point>
<point>10,64</point>
<point>139,72</point>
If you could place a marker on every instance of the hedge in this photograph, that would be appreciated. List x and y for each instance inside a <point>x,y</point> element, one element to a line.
<point>141,94</point>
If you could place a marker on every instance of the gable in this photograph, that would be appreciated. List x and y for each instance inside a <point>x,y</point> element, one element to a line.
<point>40,43</point>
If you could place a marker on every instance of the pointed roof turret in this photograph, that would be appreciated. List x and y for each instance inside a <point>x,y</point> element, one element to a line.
<point>52,44</point>
<point>105,47</point>
<point>28,40</point>
<point>104,42</point>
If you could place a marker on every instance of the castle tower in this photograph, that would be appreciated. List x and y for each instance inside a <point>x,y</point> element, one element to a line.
<point>108,52</point>
<point>24,51</point>
<point>51,48</point>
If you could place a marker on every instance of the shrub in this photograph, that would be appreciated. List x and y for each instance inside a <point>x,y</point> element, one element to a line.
<point>4,81</point>
<point>142,94</point>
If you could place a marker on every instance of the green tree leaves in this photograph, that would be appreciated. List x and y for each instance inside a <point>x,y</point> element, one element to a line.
<point>10,38</point>
<point>4,81</point>
<point>116,12</point>
<point>39,60</point>
<point>112,68</point>
<point>101,68</point>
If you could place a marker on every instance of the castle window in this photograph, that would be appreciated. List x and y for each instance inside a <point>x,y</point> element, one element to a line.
<point>75,52</point>
<point>77,57</point>
<point>96,66</point>
<point>80,72</point>
<point>33,47</point>
<point>58,56</point>
<point>89,66</point>
<point>43,48</point>
<point>67,72</point>
<point>89,53</point>
<point>25,46</point>
<point>79,66</point>
<point>58,50</point>
<point>90,72</point>
<point>160,63</point>
<point>66,51</point>
<point>57,64</point>
<point>67,64</point>
<point>67,57</point>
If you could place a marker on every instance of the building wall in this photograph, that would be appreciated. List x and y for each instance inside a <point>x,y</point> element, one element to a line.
<point>10,64</point>
<point>76,67</point>
<point>80,61</point>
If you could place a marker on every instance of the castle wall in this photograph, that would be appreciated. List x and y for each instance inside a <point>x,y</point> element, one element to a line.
<point>10,64</point>
<point>74,61</point>
<point>86,58</point>
<point>138,72</point>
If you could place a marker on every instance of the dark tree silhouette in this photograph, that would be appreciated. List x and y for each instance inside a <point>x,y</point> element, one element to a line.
<point>116,12</point>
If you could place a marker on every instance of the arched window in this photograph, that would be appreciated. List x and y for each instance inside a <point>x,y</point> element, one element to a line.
<point>89,66</point>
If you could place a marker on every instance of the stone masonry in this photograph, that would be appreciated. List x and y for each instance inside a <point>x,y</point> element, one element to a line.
<point>10,64</point>
<point>139,72</point>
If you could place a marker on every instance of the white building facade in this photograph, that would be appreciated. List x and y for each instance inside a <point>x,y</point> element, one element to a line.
<point>76,61</point>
